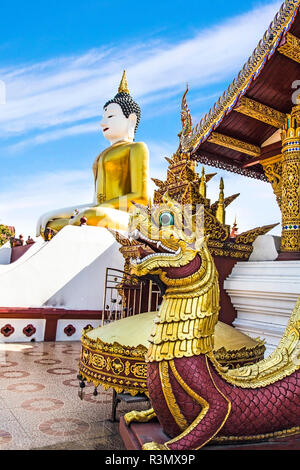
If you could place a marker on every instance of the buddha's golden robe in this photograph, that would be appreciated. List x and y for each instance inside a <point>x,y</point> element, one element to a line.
<point>121,176</point>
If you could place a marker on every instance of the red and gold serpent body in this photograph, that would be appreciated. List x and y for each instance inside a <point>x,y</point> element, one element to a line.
<point>193,397</point>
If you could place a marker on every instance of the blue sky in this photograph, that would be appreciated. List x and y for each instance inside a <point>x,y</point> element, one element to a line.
<point>60,62</point>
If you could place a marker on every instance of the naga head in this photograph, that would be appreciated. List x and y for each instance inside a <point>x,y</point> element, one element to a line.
<point>171,242</point>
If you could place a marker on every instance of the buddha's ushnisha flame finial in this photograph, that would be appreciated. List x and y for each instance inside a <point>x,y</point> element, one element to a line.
<point>123,87</point>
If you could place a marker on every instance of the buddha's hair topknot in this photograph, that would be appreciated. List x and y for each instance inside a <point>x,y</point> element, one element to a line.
<point>127,105</point>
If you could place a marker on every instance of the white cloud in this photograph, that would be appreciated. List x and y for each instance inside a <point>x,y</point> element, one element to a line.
<point>25,201</point>
<point>22,205</point>
<point>79,129</point>
<point>67,90</point>
<point>60,97</point>
<point>256,206</point>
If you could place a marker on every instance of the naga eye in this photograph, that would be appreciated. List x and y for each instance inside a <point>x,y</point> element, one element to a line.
<point>166,218</point>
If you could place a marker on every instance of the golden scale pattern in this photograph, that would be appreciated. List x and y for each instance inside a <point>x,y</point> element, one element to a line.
<point>185,323</point>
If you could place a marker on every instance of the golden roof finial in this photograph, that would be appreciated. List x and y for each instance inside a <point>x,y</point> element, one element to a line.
<point>123,87</point>
<point>221,184</point>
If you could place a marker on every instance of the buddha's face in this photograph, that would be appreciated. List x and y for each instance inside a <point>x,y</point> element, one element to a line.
<point>115,125</point>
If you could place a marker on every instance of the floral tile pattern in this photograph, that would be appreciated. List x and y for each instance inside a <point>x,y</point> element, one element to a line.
<point>39,403</point>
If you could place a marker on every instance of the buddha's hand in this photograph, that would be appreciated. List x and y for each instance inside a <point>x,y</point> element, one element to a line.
<point>88,213</point>
<point>42,223</point>
<point>102,216</point>
<point>64,213</point>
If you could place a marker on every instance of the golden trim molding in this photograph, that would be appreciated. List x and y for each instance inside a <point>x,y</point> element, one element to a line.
<point>169,396</point>
<point>261,112</point>
<point>123,368</point>
<point>273,170</point>
<point>234,144</point>
<point>276,435</point>
<point>291,48</point>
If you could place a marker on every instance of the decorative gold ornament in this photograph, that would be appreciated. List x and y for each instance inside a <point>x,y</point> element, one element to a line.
<point>260,112</point>
<point>220,212</point>
<point>291,48</point>
<point>185,326</point>
<point>186,118</point>
<point>290,184</point>
<point>123,87</point>
<point>273,170</point>
<point>251,235</point>
<point>113,365</point>
<point>154,446</point>
<point>239,86</point>
<point>184,185</point>
<point>139,416</point>
<point>234,144</point>
<point>202,186</point>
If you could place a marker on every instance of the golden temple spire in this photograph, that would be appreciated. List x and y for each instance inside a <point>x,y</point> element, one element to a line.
<point>202,186</point>
<point>220,213</point>
<point>123,87</point>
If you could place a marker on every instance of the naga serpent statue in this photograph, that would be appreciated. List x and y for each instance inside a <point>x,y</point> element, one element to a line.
<point>194,398</point>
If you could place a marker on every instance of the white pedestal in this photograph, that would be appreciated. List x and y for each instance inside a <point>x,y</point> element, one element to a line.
<point>264,294</point>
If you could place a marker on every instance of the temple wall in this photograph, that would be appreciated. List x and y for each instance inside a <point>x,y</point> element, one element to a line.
<point>68,272</point>
<point>5,253</point>
<point>264,294</point>
<point>18,251</point>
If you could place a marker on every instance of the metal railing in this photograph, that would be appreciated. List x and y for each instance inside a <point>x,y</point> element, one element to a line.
<point>126,295</point>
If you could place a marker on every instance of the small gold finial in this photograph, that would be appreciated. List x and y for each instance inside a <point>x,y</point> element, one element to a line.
<point>123,87</point>
<point>202,187</point>
<point>220,213</point>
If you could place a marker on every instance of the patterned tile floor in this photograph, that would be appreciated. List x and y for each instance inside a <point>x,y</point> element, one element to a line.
<point>39,403</point>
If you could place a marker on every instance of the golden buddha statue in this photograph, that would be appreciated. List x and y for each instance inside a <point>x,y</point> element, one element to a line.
<point>120,172</point>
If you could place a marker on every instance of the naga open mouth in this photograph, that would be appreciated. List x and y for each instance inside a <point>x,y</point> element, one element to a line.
<point>150,248</point>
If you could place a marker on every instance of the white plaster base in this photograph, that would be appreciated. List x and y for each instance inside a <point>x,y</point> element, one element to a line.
<point>18,324</point>
<point>264,294</point>
<point>77,324</point>
<point>5,253</point>
<point>67,272</point>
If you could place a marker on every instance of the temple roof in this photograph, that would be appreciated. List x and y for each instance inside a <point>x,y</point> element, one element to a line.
<point>243,127</point>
